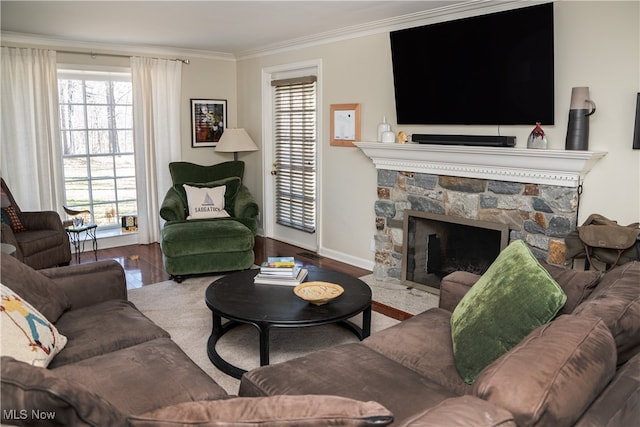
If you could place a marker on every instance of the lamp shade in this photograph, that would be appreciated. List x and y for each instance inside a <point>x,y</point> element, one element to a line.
<point>235,140</point>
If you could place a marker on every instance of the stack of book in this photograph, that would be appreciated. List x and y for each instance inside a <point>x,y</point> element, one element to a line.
<point>280,271</point>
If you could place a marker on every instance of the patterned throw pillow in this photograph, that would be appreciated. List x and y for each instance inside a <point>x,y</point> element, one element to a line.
<point>11,218</point>
<point>26,334</point>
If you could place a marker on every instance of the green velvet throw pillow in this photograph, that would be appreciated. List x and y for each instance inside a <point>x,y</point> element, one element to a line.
<point>512,298</point>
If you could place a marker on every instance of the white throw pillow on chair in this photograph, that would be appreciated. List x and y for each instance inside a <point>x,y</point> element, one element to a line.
<point>206,202</point>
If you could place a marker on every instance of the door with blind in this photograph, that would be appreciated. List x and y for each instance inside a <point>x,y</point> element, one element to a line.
<point>294,154</point>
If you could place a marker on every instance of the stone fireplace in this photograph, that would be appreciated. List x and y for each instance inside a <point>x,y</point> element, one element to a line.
<point>534,193</point>
<point>436,245</point>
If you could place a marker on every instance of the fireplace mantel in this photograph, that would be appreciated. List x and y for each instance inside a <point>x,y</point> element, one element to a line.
<point>553,167</point>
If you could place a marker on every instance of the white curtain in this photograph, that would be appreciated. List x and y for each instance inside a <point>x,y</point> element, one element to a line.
<point>156,115</point>
<point>29,128</point>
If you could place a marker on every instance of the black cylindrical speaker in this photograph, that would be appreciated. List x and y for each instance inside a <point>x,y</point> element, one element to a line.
<point>578,130</point>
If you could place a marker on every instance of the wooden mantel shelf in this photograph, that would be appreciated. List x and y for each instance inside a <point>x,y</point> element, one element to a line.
<point>552,167</point>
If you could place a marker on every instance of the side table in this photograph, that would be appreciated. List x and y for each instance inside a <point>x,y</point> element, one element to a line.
<point>76,239</point>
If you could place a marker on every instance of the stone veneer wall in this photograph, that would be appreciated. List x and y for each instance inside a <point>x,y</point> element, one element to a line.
<point>541,215</point>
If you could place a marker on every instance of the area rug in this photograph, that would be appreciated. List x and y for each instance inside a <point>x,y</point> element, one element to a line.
<point>180,309</point>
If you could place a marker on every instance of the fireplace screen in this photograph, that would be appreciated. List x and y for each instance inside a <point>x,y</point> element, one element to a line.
<point>436,245</point>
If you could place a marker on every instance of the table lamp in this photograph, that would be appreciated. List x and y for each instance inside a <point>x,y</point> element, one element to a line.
<point>235,140</point>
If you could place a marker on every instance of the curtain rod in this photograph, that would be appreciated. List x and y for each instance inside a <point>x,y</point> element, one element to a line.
<point>115,55</point>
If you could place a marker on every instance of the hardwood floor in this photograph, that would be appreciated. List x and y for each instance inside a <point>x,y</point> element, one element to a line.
<point>143,264</point>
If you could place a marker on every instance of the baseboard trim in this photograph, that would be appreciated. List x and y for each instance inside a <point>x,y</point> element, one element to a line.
<point>365,264</point>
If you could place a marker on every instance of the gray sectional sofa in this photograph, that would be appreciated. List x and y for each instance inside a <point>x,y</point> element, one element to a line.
<point>118,368</point>
<point>582,368</point>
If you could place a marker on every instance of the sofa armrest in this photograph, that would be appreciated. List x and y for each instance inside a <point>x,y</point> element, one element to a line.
<point>307,410</point>
<point>245,205</point>
<point>42,220</point>
<point>453,287</point>
<point>464,411</point>
<point>88,284</point>
<point>7,235</point>
<point>173,208</point>
<point>28,391</point>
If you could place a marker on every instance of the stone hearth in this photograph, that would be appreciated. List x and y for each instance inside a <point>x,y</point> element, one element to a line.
<point>534,192</point>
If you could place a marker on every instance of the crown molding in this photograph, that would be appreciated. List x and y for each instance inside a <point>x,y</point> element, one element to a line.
<point>431,16</point>
<point>13,38</point>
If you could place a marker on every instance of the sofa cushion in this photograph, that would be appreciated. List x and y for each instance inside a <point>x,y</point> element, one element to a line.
<point>454,286</point>
<point>617,405</point>
<point>103,328</point>
<point>43,293</point>
<point>422,344</point>
<point>514,296</point>
<point>552,376</point>
<point>350,370</point>
<point>155,374</point>
<point>204,237</point>
<point>577,284</point>
<point>34,241</point>
<point>280,411</point>
<point>29,391</point>
<point>463,411</point>
<point>616,300</point>
<point>26,334</point>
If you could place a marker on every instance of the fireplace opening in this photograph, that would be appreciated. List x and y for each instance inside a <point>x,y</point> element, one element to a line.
<point>436,245</point>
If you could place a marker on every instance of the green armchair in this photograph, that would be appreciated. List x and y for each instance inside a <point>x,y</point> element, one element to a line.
<point>196,243</point>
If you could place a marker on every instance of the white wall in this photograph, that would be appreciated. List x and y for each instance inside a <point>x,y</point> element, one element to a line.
<point>597,44</point>
<point>207,79</point>
<point>354,71</point>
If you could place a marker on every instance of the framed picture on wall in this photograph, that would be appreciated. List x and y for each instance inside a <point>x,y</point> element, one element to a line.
<point>208,121</point>
<point>345,124</point>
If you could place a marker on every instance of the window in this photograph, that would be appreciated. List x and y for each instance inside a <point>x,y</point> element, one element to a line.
<point>295,152</point>
<point>96,125</point>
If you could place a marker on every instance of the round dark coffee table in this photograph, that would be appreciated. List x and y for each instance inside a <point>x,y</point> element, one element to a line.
<point>235,297</point>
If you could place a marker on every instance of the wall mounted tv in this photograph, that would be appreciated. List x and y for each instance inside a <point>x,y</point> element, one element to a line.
<point>494,69</point>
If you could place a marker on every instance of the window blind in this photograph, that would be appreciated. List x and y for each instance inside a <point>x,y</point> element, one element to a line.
<point>295,152</point>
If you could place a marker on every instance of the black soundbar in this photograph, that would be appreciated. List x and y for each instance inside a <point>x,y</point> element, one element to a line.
<point>475,140</point>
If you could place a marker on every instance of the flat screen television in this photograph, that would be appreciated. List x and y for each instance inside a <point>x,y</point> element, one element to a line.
<point>495,69</point>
